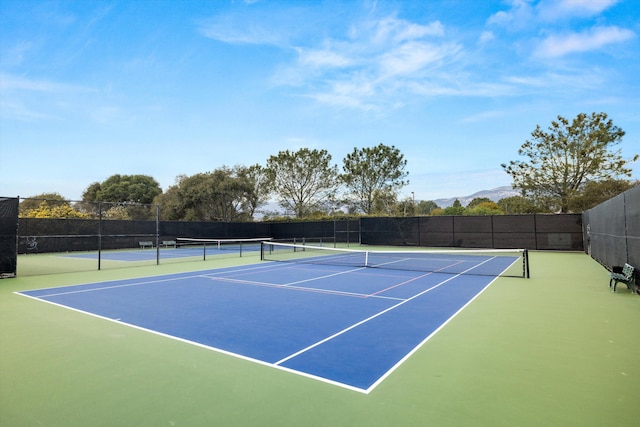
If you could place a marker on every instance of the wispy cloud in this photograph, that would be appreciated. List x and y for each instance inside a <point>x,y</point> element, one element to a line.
<point>258,26</point>
<point>13,83</point>
<point>229,32</point>
<point>527,14</point>
<point>378,63</point>
<point>594,39</point>
<point>14,55</point>
<point>323,58</point>
<point>399,30</point>
<point>553,10</point>
<point>375,63</point>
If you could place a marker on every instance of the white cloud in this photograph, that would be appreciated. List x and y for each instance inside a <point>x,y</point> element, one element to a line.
<point>485,116</point>
<point>410,58</point>
<point>526,14</point>
<point>399,30</point>
<point>323,58</point>
<point>552,10</point>
<point>375,64</point>
<point>228,30</point>
<point>13,84</point>
<point>596,38</point>
<point>354,94</point>
<point>520,14</point>
<point>486,37</point>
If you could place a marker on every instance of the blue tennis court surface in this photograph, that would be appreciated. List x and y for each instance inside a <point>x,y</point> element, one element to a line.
<point>347,326</point>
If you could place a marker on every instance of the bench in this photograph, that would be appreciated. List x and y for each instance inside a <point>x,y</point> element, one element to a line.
<point>623,275</point>
<point>146,244</point>
<point>167,243</point>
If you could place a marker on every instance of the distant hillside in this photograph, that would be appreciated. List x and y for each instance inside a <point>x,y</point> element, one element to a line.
<point>494,195</point>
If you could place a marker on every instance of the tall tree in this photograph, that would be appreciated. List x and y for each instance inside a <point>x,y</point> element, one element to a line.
<point>171,205</point>
<point>562,158</point>
<point>220,195</point>
<point>123,188</point>
<point>371,171</point>
<point>257,178</point>
<point>455,209</point>
<point>303,180</point>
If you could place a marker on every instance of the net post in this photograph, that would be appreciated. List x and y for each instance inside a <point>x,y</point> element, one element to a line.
<point>99,234</point>
<point>157,234</point>
<point>525,260</point>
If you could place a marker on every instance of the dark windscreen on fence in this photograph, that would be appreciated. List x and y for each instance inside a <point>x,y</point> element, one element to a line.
<point>612,230</point>
<point>8,236</point>
<point>140,239</point>
<point>543,232</point>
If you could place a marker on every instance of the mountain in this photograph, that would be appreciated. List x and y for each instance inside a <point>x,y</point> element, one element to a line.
<point>494,195</point>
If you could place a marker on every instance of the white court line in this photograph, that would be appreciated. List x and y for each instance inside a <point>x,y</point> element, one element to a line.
<point>299,288</point>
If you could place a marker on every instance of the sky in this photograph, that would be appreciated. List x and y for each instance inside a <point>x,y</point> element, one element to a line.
<point>89,89</point>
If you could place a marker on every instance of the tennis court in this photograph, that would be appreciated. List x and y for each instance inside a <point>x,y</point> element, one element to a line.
<point>326,315</point>
<point>556,349</point>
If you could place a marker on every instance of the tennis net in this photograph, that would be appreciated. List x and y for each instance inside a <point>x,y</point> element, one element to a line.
<point>219,246</point>
<point>485,262</point>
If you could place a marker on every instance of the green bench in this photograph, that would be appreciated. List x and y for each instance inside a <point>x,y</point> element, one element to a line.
<point>145,244</point>
<point>623,275</point>
<point>167,243</point>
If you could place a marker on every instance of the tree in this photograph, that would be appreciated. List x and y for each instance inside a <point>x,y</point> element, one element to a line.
<point>116,212</point>
<point>385,202</point>
<point>49,205</point>
<point>596,192</point>
<point>303,180</point>
<point>34,202</point>
<point>406,207</point>
<point>368,171</point>
<point>220,195</point>
<point>484,208</point>
<point>170,202</point>
<point>91,193</point>
<point>123,189</point>
<point>567,155</point>
<point>478,200</point>
<point>257,177</point>
<point>517,205</point>
<point>427,207</point>
<point>455,209</point>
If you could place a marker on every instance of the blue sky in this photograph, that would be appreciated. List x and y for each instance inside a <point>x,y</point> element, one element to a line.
<point>89,89</point>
